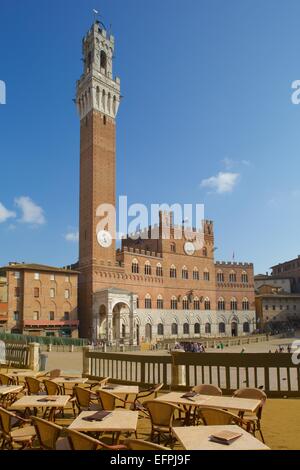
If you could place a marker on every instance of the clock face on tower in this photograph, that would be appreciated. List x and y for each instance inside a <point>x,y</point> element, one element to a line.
<point>189,248</point>
<point>104,238</point>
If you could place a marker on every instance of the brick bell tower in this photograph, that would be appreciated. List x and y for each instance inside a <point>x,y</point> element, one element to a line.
<point>97,99</point>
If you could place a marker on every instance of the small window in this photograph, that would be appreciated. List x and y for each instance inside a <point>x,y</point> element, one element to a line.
<point>207,328</point>
<point>206,276</point>
<point>221,304</point>
<point>148,302</point>
<point>173,273</point>
<point>233,304</point>
<point>196,304</point>
<point>174,303</point>
<point>36,276</point>
<point>244,278</point>
<point>220,277</point>
<point>160,329</point>
<point>35,315</point>
<point>52,293</point>
<point>147,269</point>
<point>173,248</point>
<point>186,329</point>
<point>245,305</point>
<point>67,294</point>
<point>196,276</point>
<point>232,277</point>
<point>52,277</point>
<point>36,292</point>
<point>17,274</point>
<point>135,267</point>
<point>16,316</point>
<point>159,271</point>
<point>197,328</point>
<point>221,327</point>
<point>174,329</point>
<point>185,303</point>
<point>184,273</point>
<point>137,303</point>
<point>51,316</point>
<point>160,303</point>
<point>66,316</point>
<point>207,304</point>
<point>67,278</point>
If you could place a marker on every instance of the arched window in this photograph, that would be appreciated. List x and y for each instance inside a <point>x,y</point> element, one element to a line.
<point>98,96</point>
<point>147,268</point>
<point>135,266</point>
<point>221,304</point>
<point>186,329</point>
<point>137,303</point>
<point>159,271</point>
<point>173,247</point>
<point>174,303</point>
<point>197,328</point>
<point>103,100</point>
<point>244,277</point>
<point>174,329</point>
<point>207,304</point>
<point>173,273</point>
<point>233,304</point>
<point>206,275</point>
<point>109,102</point>
<point>148,303</point>
<point>232,276</point>
<point>207,328</point>
<point>245,304</point>
<point>196,303</point>
<point>204,251</point>
<point>103,61</point>
<point>196,276</point>
<point>184,273</point>
<point>159,302</point>
<point>220,276</point>
<point>160,329</point>
<point>114,105</point>
<point>221,327</point>
<point>246,327</point>
<point>185,303</point>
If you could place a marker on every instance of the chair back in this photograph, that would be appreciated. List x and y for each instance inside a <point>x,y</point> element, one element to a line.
<point>161,414</point>
<point>6,421</point>
<point>52,388</point>
<point>252,393</point>
<point>138,444</point>
<point>79,441</point>
<point>47,433</point>
<point>5,379</point>
<point>107,399</point>
<point>33,385</point>
<point>207,389</point>
<point>216,416</point>
<point>83,397</point>
<point>53,374</point>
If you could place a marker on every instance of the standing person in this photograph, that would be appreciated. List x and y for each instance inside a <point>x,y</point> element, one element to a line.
<point>289,349</point>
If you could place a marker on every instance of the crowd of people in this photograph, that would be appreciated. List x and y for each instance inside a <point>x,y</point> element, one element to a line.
<point>188,346</point>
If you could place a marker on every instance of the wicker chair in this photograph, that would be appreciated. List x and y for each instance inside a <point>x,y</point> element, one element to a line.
<point>162,419</point>
<point>252,420</point>
<point>34,386</point>
<point>79,441</point>
<point>22,436</point>
<point>138,444</point>
<point>52,388</point>
<point>207,389</point>
<point>108,400</point>
<point>216,416</point>
<point>6,380</point>
<point>86,400</point>
<point>137,405</point>
<point>48,435</point>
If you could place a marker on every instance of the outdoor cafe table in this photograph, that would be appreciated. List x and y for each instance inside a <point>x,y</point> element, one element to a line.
<point>117,389</point>
<point>197,438</point>
<point>6,389</point>
<point>228,403</point>
<point>39,401</point>
<point>72,381</point>
<point>18,374</point>
<point>118,421</point>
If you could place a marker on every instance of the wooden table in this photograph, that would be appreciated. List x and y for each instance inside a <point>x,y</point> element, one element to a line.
<point>120,389</point>
<point>19,374</point>
<point>34,401</point>
<point>6,389</point>
<point>229,403</point>
<point>197,438</point>
<point>118,422</point>
<point>69,380</point>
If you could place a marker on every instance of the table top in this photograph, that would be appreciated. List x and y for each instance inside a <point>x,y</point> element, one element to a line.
<point>118,421</point>
<point>230,403</point>
<point>117,389</point>
<point>5,389</point>
<point>69,380</point>
<point>24,373</point>
<point>34,401</point>
<point>197,438</point>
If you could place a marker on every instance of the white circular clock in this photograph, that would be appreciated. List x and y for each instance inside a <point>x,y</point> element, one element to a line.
<point>189,248</point>
<point>104,238</point>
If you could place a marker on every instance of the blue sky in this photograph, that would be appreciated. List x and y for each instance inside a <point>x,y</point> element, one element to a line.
<point>206,117</point>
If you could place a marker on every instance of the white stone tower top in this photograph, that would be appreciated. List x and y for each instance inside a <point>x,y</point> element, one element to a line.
<point>97,89</point>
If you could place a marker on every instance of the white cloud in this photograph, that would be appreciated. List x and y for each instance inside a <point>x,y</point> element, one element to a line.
<point>5,213</point>
<point>228,163</point>
<point>221,183</point>
<point>72,236</point>
<point>31,212</point>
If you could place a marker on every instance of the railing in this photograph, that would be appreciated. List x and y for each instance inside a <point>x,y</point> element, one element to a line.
<point>168,343</point>
<point>274,373</point>
<point>16,354</point>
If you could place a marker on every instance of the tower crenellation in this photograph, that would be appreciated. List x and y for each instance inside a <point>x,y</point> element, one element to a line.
<point>97,89</point>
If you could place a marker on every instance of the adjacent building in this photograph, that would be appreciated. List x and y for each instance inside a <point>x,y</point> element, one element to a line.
<point>289,270</point>
<point>40,300</point>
